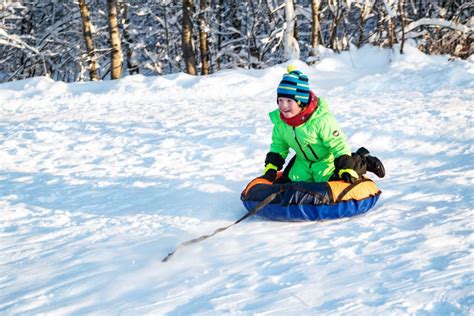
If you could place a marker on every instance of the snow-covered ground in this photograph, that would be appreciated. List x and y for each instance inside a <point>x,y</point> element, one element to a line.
<point>99,181</point>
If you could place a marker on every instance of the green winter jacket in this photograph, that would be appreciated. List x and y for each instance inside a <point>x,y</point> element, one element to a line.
<point>317,142</point>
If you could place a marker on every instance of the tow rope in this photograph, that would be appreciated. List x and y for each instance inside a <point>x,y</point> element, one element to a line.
<point>261,205</point>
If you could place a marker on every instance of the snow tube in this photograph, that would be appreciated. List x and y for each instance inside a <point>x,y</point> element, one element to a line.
<point>308,201</point>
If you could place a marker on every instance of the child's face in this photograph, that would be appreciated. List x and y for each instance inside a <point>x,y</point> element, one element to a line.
<point>288,107</point>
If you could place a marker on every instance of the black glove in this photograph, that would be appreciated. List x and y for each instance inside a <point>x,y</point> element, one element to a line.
<point>347,177</point>
<point>349,168</point>
<point>373,163</point>
<point>270,175</point>
<point>272,161</point>
<point>275,159</point>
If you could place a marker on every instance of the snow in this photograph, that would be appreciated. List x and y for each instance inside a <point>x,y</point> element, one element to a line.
<point>99,181</point>
<point>439,22</point>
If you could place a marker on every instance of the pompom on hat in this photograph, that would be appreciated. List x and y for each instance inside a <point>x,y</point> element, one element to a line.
<point>294,85</point>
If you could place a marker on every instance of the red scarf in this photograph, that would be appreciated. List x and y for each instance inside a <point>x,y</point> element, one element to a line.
<point>304,115</point>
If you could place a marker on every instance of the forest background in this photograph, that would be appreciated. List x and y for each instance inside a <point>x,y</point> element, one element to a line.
<point>97,39</point>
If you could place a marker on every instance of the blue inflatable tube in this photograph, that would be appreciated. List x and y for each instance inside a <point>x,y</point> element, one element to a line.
<point>305,201</point>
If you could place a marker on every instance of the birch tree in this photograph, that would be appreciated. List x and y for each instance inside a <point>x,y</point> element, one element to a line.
<point>187,38</point>
<point>203,38</point>
<point>87,32</point>
<point>39,37</point>
<point>115,44</point>
<point>315,26</point>
<point>290,44</point>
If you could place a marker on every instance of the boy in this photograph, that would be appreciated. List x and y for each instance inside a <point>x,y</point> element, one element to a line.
<point>303,122</point>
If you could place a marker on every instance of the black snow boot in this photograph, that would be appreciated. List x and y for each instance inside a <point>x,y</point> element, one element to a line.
<point>373,163</point>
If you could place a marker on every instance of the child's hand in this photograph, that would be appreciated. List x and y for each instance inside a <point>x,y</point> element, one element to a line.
<point>270,175</point>
<point>348,168</point>
<point>348,176</point>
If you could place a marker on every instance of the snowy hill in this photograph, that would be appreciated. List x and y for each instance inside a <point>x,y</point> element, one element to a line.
<point>99,181</point>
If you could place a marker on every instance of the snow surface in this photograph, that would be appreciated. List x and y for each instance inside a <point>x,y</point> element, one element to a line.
<point>99,181</point>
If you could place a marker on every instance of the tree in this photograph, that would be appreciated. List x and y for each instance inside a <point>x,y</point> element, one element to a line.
<point>116,47</point>
<point>402,22</point>
<point>314,30</point>
<point>39,37</point>
<point>167,33</point>
<point>365,10</point>
<point>87,32</point>
<point>220,10</point>
<point>187,38</point>
<point>203,38</point>
<point>290,44</point>
<point>128,41</point>
<point>389,7</point>
<point>337,10</point>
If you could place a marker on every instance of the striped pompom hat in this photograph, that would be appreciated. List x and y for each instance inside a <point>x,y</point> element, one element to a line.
<point>294,85</point>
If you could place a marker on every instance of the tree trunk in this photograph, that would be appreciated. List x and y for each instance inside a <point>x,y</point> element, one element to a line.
<point>203,38</point>
<point>132,68</point>
<point>269,8</point>
<point>187,39</point>
<point>390,32</point>
<point>253,51</point>
<point>315,24</point>
<point>220,10</point>
<point>391,37</point>
<point>292,50</point>
<point>296,35</point>
<point>364,14</point>
<point>402,22</point>
<point>335,10</point>
<point>167,35</point>
<point>236,36</point>
<point>315,29</point>
<point>116,56</point>
<point>87,31</point>
<point>381,17</point>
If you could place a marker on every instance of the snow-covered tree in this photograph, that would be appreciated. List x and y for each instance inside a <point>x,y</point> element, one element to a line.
<point>290,44</point>
<point>60,39</point>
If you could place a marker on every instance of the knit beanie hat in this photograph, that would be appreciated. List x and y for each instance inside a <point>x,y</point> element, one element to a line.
<point>294,85</point>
